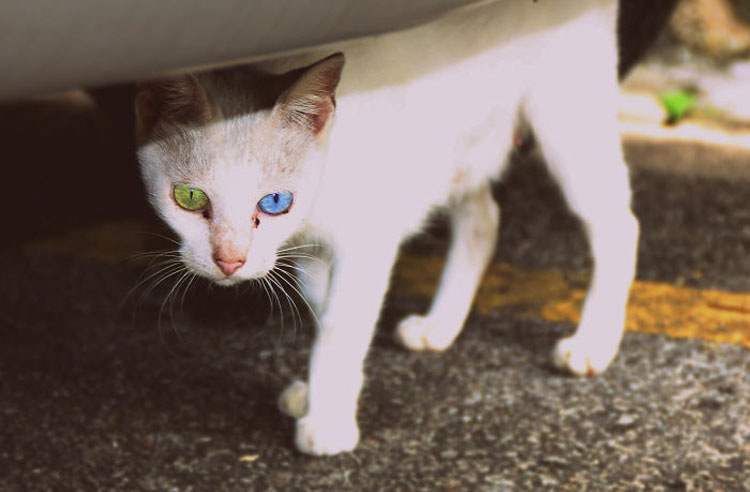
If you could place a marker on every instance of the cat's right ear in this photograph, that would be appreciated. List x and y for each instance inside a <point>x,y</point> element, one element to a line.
<point>177,100</point>
<point>310,101</point>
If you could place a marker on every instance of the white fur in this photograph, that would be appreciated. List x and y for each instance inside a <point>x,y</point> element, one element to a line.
<point>425,118</point>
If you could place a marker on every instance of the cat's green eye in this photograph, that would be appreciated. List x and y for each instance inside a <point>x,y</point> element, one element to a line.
<point>190,198</point>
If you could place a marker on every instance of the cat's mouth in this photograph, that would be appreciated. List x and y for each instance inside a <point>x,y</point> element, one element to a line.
<point>236,278</point>
<point>225,273</point>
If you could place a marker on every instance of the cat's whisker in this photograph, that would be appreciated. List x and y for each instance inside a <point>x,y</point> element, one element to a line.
<point>274,286</point>
<point>168,302</point>
<point>157,257</point>
<point>165,274</point>
<point>188,284</point>
<point>175,270</point>
<point>172,294</point>
<point>269,289</point>
<point>148,275</point>
<point>270,285</point>
<point>298,247</point>
<point>298,268</point>
<point>296,315</point>
<point>159,325</point>
<point>160,260</point>
<point>262,283</point>
<point>162,236</point>
<point>302,256</point>
<point>297,254</point>
<point>296,289</point>
<point>159,263</point>
<point>275,278</point>
<point>162,253</point>
<point>163,267</point>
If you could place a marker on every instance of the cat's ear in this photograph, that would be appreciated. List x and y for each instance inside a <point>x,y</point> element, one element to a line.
<point>310,101</point>
<point>176,100</point>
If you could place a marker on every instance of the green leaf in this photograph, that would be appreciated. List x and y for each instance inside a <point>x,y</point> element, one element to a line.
<point>677,104</point>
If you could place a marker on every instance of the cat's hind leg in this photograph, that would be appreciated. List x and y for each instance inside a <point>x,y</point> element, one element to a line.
<point>474,220</point>
<point>575,122</point>
<point>613,238</point>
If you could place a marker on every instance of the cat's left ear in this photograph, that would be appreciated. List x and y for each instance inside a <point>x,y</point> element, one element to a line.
<point>310,101</point>
<point>179,100</point>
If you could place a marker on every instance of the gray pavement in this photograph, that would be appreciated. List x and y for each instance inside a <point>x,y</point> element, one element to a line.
<point>90,405</point>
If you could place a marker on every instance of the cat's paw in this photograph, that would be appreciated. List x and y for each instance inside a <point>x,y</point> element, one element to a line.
<point>293,400</point>
<point>583,356</point>
<point>326,434</point>
<point>419,333</point>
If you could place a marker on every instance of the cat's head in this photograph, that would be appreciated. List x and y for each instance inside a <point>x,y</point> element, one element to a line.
<point>232,160</point>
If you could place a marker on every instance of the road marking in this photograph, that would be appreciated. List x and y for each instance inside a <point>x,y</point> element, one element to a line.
<point>557,296</point>
<point>657,308</point>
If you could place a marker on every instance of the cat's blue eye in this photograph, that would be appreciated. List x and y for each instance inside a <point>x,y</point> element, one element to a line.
<point>276,203</point>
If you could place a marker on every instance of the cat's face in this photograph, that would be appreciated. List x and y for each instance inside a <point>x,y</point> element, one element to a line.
<point>235,185</point>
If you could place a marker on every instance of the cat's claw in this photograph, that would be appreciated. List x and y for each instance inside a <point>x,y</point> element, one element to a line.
<point>326,435</point>
<point>419,333</point>
<point>583,356</point>
<point>293,400</point>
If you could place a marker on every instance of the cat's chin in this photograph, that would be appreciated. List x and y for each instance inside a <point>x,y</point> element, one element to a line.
<point>228,281</point>
<point>236,279</point>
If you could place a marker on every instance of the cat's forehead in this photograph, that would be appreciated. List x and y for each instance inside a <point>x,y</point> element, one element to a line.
<point>247,148</point>
<point>255,142</point>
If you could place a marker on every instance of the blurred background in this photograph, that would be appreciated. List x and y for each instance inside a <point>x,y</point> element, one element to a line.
<point>703,55</point>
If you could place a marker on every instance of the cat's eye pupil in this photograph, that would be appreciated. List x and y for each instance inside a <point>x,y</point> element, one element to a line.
<point>191,193</point>
<point>275,198</point>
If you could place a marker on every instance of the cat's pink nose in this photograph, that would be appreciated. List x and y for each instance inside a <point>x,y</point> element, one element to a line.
<point>229,266</point>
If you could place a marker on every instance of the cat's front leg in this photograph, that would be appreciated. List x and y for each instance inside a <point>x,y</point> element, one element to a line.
<point>359,281</point>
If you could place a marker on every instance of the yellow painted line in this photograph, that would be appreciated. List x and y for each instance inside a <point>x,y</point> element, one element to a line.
<point>551,295</point>
<point>657,308</point>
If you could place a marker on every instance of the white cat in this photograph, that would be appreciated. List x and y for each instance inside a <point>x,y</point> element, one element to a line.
<point>356,150</point>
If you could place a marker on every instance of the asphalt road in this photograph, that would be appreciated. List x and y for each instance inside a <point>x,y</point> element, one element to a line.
<point>103,387</point>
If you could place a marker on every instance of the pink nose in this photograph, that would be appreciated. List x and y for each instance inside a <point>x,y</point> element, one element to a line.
<point>229,266</point>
